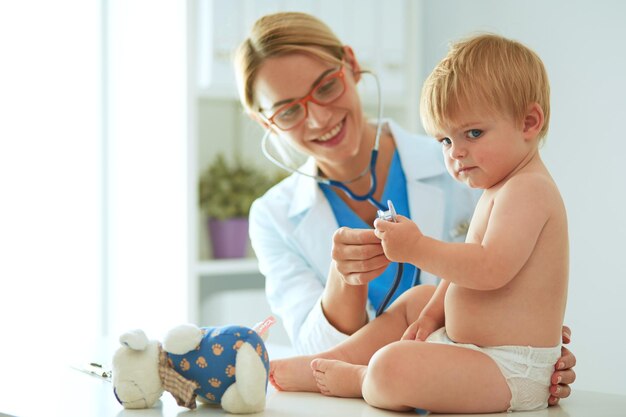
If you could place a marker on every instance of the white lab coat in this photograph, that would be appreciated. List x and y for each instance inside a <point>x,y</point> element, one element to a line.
<point>292,225</point>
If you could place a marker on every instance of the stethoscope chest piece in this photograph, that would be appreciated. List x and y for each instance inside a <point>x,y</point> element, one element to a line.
<point>389,215</point>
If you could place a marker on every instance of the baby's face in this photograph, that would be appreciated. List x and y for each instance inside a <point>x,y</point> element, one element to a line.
<point>481,148</point>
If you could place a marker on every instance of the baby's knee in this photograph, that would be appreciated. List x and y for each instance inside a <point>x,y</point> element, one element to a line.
<point>379,388</point>
<point>382,373</point>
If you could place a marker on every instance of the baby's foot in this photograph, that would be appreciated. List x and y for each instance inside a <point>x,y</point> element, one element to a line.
<point>292,374</point>
<point>337,378</point>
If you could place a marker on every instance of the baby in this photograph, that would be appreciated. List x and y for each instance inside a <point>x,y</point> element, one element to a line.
<point>488,338</point>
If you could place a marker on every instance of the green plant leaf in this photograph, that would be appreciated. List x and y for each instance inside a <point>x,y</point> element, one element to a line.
<point>228,190</point>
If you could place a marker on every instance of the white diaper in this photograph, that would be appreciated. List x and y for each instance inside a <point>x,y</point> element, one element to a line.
<point>527,369</point>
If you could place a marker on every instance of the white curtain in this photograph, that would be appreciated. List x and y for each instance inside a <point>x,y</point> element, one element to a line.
<point>93,175</point>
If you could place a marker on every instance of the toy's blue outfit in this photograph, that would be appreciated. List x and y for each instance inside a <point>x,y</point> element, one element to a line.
<point>212,364</point>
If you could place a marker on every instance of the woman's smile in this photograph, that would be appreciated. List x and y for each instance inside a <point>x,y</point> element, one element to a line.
<point>334,136</point>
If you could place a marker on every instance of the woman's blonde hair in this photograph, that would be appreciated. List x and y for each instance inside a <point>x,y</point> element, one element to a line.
<point>488,71</point>
<point>281,34</point>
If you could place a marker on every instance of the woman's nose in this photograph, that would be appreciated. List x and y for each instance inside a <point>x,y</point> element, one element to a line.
<point>317,115</point>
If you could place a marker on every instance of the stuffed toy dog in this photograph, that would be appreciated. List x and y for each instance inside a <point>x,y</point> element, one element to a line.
<point>218,365</point>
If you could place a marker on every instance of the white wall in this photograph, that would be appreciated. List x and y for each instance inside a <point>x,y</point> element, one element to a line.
<point>582,45</point>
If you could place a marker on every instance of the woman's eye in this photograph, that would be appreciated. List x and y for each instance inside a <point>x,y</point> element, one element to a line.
<point>474,133</point>
<point>290,112</point>
<point>327,88</point>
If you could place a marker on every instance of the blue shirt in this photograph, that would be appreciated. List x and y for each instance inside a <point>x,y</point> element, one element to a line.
<point>395,190</point>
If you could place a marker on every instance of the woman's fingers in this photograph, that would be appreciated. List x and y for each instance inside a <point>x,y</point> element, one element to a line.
<point>342,252</point>
<point>567,360</point>
<point>361,276</point>
<point>563,377</point>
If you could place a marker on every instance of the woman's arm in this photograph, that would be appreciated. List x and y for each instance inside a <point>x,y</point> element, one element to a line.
<point>357,258</point>
<point>293,286</point>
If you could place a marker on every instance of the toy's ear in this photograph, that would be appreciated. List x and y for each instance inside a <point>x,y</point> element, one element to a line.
<point>262,327</point>
<point>182,339</point>
<point>134,339</point>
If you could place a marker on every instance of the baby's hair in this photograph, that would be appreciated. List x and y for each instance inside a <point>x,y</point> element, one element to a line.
<point>488,71</point>
<point>281,34</point>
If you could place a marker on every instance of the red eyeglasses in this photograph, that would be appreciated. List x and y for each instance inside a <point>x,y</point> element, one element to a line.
<point>329,89</point>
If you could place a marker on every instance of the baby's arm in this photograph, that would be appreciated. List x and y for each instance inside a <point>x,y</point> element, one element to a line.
<point>518,215</point>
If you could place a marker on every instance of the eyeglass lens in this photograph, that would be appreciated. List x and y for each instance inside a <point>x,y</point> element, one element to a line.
<point>327,91</point>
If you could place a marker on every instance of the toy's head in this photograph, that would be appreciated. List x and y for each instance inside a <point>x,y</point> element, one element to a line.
<point>136,381</point>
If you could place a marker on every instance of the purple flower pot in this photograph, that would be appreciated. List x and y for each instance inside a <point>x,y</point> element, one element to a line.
<point>229,238</point>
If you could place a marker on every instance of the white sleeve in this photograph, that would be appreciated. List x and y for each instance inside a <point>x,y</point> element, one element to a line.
<point>292,286</point>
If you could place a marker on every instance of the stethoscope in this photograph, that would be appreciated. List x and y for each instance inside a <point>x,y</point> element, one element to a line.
<point>384,212</point>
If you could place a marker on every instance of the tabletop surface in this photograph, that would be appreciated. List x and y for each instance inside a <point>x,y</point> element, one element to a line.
<point>66,392</point>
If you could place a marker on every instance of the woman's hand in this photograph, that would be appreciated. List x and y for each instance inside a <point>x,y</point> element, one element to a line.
<point>358,255</point>
<point>564,374</point>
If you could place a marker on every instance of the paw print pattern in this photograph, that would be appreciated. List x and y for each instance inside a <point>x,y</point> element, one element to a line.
<point>237,334</point>
<point>259,349</point>
<point>215,333</point>
<point>201,362</point>
<point>184,365</point>
<point>217,349</point>
<point>237,344</point>
<point>210,396</point>
<point>265,356</point>
<point>214,382</point>
<point>230,371</point>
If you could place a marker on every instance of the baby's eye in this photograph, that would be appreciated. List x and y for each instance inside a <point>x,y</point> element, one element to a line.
<point>474,133</point>
<point>445,141</point>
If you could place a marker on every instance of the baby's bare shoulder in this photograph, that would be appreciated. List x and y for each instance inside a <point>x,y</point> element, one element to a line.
<point>532,185</point>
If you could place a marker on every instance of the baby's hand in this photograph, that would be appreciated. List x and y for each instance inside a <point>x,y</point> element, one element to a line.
<point>398,239</point>
<point>421,328</point>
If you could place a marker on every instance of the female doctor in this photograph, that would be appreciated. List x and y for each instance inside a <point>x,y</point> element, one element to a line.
<point>325,270</point>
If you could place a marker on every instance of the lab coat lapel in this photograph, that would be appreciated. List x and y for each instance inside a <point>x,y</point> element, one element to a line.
<point>314,221</point>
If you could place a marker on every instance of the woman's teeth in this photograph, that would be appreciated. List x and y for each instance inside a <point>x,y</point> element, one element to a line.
<point>331,134</point>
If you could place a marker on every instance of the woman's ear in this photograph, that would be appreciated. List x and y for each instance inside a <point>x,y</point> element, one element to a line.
<point>533,121</point>
<point>352,62</point>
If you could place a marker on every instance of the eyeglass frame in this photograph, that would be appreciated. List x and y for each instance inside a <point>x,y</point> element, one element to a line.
<point>340,74</point>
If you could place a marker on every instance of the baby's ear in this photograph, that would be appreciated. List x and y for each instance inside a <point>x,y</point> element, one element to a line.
<point>533,121</point>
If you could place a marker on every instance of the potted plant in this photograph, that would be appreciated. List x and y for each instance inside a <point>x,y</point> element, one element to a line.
<point>226,192</point>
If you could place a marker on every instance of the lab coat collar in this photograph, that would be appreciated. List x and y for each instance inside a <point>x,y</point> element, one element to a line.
<point>306,190</point>
<point>416,163</point>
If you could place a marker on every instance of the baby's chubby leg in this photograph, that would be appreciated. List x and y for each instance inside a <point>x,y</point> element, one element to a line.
<point>294,374</point>
<point>440,378</point>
